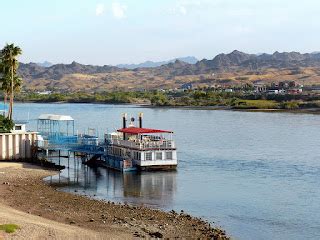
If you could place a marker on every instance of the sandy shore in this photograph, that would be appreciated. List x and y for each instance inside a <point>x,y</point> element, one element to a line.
<point>44,213</point>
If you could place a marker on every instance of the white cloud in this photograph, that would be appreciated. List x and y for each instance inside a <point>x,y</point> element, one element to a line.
<point>242,30</point>
<point>241,12</point>
<point>100,9</point>
<point>183,7</point>
<point>178,10</point>
<point>119,10</point>
<point>182,10</point>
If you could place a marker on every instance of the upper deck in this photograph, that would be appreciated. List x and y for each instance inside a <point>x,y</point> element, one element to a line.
<point>144,145</point>
<point>142,139</point>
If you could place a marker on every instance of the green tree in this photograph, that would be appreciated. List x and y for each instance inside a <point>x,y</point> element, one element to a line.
<point>159,99</point>
<point>9,66</point>
<point>6,125</point>
<point>6,85</point>
<point>5,82</point>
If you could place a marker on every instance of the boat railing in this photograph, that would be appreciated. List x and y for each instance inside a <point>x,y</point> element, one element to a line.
<point>140,144</point>
<point>73,142</point>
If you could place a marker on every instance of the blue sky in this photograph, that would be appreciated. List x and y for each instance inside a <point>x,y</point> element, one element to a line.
<point>132,31</point>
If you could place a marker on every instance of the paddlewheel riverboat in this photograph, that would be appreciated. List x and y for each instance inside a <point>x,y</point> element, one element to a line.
<point>137,148</point>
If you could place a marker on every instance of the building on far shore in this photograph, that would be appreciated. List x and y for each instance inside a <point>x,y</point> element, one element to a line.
<point>186,86</point>
<point>44,93</point>
<point>273,91</point>
<point>228,90</point>
<point>284,87</point>
<point>260,88</point>
<point>294,91</point>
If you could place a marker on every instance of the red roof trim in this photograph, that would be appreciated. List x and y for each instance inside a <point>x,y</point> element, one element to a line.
<point>135,130</point>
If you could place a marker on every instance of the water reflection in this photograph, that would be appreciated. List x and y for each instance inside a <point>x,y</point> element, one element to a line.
<point>155,189</point>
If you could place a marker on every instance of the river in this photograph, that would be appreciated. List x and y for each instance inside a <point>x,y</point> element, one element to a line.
<point>255,174</point>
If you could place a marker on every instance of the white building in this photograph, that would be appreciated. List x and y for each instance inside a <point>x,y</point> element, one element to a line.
<point>18,144</point>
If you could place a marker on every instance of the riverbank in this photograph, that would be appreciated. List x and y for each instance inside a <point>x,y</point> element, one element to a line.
<point>192,98</point>
<point>147,100</point>
<point>43,212</point>
<point>225,108</point>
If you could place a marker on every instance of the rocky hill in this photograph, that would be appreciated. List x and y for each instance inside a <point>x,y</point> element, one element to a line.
<point>57,71</point>
<point>242,61</point>
<point>232,68</point>
<point>151,64</point>
<point>45,64</point>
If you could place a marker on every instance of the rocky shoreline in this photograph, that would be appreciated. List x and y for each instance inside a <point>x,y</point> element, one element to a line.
<point>23,189</point>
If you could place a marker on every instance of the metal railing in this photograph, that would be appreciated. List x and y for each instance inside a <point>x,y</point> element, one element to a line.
<point>161,144</point>
<point>74,142</point>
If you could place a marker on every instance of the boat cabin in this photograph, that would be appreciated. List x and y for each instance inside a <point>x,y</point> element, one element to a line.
<point>145,147</point>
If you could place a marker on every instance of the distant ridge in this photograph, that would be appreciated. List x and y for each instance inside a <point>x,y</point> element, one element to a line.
<point>151,64</point>
<point>222,68</point>
<point>45,64</point>
<point>235,60</point>
<point>57,71</point>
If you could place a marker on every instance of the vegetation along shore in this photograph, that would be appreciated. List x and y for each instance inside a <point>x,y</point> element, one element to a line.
<point>198,98</point>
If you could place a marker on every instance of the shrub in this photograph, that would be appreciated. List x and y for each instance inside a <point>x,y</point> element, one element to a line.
<point>255,104</point>
<point>9,228</point>
<point>159,100</point>
<point>290,105</point>
<point>6,125</point>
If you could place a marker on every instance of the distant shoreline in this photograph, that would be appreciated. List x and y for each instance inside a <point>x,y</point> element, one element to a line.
<point>224,108</point>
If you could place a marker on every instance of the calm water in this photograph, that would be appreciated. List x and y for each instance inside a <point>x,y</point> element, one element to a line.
<point>255,174</point>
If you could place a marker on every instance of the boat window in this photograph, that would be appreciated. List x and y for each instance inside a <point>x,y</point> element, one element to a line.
<point>159,156</point>
<point>149,156</point>
<point>137,155</point>
<point>169,155</point>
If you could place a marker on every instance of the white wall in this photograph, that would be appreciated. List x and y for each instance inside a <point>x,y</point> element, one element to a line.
<point>17,146</point>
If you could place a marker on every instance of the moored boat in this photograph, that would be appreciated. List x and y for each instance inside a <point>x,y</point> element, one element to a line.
<point>137,148</point>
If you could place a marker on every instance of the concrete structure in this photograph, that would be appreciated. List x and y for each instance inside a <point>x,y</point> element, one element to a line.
<point>295,91</point>
<point>228,90</point>
<point>17,145</point>
<point>273,91</point>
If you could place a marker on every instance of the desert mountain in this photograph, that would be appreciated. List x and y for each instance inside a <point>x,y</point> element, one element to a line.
<point>241,61</point>
<point>232,68</point>
<point>150,64</point>
<point>57,71</point>
<point>45,64</point>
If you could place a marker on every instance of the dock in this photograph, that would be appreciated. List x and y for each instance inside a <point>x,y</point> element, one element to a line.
<point>57,139</point>
<point>130,148</point>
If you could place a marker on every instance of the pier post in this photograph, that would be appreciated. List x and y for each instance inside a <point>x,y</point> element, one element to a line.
<point>124,121</point>
<point>68,159</point>
<point>140,119</point>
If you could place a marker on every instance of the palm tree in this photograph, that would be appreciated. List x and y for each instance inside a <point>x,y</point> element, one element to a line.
<point>9,67</point>
<point>5,86</point>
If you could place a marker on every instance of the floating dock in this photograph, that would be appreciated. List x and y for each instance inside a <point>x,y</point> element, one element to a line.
<point>129,149</point>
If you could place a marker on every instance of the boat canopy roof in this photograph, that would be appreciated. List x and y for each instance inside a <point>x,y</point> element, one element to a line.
<point>136,130</point>
<point>55,117</point>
